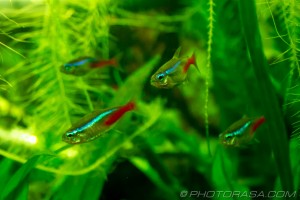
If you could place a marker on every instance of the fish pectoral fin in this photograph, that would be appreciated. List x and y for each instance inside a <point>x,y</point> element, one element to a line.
<point>117,131</point>
<point>193,61</point>
<point>165,81</point>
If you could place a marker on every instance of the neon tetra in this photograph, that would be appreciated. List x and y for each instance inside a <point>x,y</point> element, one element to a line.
<point>173,72</point>
<point>83,65</point>
<point>93,125</point>
<point>241,132</point>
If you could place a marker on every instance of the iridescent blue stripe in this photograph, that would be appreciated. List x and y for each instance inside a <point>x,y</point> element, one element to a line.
<point>239,131</point>
<point>173,68</point>
<point>78,63</point>
<point>91,122</point>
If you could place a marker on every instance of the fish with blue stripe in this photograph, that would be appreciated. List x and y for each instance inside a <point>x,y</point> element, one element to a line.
<point>173,72</point>
<point>93,125</point>
<point>83,65</point>
<point>241,133</point>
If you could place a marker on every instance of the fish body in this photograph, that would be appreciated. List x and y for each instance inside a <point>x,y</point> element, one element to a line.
<point>93,125</point>
<point>83,65</point>
<point>173,72</point>
<point>241,132</point>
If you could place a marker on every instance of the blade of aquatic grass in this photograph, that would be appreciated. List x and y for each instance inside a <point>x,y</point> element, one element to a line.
<point>5,166</point>
<point>222,176</point>
<point>72,188</point>
<point>277,132</point>
<point>157,164</point>
<point>20,175</point>
<point>233,78</point>
<point>295,162</point>
<point>4,84</point>
<point>144,166</point>
<point>93,187</point>
<point>135,82</point>
<point>86,186</point>
<point>8,47</point>
<point>21,192</point>
<point>23,195</point>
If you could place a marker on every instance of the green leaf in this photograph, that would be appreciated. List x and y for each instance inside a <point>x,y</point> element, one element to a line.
<point>85,186</point>
<point>72,187</point>
<point>157,164</point>
<point>93,187</point>
<point>20,175</point>
<point>233,79</point>
<point>5,166</point>
<point>23,194</point>
<point>223,173</point>
<point>136,82</point>
<point>144,165</point>
<point>220,175</point>
<point>277,131</point>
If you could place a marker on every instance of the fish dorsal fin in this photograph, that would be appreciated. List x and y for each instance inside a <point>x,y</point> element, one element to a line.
<point>245,116</point>
<point>238,124</point>
<point>177,52</point>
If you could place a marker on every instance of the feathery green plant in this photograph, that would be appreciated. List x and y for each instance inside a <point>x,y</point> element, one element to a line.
<point>171,140</point>
<point>208,66</point>
<point>285,17</point>
<point>4,84</point>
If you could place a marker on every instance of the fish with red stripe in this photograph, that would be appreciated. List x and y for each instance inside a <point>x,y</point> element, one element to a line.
<point>241,133</point>
<point>84,65</point>
<point>173,72</point>
<point>93,125</point>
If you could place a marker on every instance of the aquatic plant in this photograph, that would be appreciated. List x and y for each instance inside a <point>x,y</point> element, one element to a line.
<point>248,56</point>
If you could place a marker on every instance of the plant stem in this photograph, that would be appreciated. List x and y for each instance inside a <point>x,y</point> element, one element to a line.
<point>208,66</point>
<point>277,131</point>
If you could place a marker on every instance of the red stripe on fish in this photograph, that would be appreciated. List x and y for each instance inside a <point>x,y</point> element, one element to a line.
<point>119,113</point>
<point>190,61</point>
<point>102,63</point>
<point>257,123</point>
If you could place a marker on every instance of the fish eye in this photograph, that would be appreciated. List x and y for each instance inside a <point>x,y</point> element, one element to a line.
<point>69,135</point>
<point>160,77</point>
<point>68,68</point>
<point>65,67</point>
<point>228,137</point>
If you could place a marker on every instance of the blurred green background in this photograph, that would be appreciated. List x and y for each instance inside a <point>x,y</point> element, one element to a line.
<point>248,56</point>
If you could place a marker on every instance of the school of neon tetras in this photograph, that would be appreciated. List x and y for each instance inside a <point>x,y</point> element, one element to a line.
<point>169,75</point>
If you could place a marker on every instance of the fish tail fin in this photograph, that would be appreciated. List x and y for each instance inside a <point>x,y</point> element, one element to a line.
<point>112,62</point>
<point>119,113</point>
<point>129,106</point>
<point>116,60</point>
<point>195,61</point>
<point>190,61</point>
<point>257,123</point>
<point>103,63</point>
